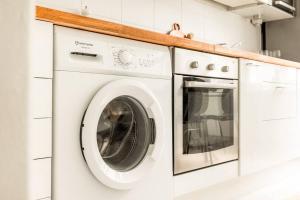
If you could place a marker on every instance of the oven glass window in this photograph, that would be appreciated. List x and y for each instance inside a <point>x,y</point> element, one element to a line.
<point>207,119</point>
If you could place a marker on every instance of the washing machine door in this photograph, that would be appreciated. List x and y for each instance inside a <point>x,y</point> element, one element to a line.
<point>122,133</point>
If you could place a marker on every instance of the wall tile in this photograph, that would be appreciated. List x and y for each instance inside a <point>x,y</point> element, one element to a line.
<point>105,9</point>
<point>41,138</point>
<point>42,98</point>
<point>139,13</point>
<point>166,12</point>
<point>193,19</point>
<point>42,49</point>
<point>41,179</point>
<point>67,5</point>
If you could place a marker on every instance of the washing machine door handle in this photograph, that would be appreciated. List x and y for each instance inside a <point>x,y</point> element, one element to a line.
<point>157,148</point>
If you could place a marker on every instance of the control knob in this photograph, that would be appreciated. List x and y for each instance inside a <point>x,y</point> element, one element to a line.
<point>211,67</point>
<point>195,64</point>
<point>125,57</point>
<point>225,69</point>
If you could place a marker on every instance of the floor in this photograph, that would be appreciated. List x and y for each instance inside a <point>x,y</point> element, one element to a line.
<point>279,183</point>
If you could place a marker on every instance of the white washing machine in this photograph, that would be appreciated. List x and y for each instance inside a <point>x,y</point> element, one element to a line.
<point>112,118</point>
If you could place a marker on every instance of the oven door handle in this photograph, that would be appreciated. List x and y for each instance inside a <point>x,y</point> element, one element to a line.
<point>197,84</point>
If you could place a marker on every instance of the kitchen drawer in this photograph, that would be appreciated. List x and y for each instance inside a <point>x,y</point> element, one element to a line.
<point>41,178</point>
<point>42,98</point>
<point>278,74</point>
<point>41,138</point>
<point>278,101</point>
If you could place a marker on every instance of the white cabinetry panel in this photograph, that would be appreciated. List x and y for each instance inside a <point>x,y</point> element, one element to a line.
<point>268,121</point>
<point>277,74</point>
<point>235,3</point>
<point>199,179</point>
<point>278,101</point>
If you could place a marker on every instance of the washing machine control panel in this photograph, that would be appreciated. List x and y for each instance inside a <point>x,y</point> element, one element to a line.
<point>135,58</point>
<point>83,51</point>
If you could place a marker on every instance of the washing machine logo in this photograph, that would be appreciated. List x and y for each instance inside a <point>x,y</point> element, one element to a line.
<point>84,45</point>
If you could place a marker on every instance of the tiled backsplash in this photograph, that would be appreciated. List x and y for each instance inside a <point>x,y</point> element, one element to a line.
<point>208,21</point>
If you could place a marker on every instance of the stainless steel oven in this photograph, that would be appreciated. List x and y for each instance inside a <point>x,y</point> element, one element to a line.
<point>205,110</point>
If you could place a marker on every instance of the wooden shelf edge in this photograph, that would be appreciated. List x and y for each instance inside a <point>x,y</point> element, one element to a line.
<point>110,28</point>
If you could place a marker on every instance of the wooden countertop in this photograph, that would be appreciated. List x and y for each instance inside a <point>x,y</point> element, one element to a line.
<point>100,26</point>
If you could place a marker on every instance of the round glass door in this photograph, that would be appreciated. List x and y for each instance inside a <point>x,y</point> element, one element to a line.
<point>124,133</point>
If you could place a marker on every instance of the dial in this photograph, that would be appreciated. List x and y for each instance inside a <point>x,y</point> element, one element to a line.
<point>225,69</point>
<point>195,64</point>
<point>211,67</point>
<point>125,57</point>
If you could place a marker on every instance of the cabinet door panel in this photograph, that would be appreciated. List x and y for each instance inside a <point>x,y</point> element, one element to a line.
<point>278,101</point>
<point>278,74</point>
<point>268,118</point>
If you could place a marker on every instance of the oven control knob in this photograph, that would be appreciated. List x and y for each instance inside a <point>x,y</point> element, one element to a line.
<point>211,67</point>
<point>225,69</point>
<point>195,64</point>
<point>125,57</point>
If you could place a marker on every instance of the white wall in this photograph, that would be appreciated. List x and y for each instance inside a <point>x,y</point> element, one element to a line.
<point>14,17</point>
<point>209,22</point>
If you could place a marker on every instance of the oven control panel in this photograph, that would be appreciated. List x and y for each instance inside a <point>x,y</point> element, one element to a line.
<point>204,64</point>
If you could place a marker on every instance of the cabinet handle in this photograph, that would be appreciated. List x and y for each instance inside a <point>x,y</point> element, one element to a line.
<point>252,64</point>
<point>280,87</point>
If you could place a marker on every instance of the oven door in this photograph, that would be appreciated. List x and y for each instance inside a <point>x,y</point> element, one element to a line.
<point>205,122</point>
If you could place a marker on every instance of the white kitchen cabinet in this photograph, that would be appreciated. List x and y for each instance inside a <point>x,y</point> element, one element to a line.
<point>277,74</point>
<point>268,118</point>
<point>266,11</point>
<point>278,101</point>
<point>250,8</point>
<point>235,3</point>
<point>297,151</point>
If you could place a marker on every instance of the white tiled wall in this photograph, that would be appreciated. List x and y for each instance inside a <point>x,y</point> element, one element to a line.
<point>105,9</point>
<point>66,5</point>
<point>208,21</point>
<point>166,12</point>
<point>138,13</point>
<point>40,126</point>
